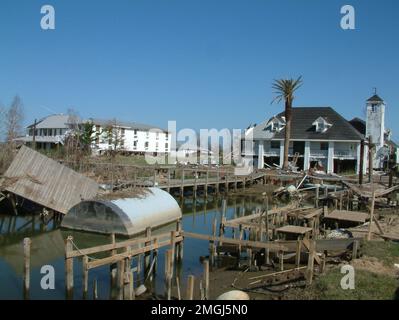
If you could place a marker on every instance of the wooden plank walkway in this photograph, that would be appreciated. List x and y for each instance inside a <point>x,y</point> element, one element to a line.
<point>344,215</point>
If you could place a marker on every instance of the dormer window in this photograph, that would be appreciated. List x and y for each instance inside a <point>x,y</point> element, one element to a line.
<point>321,125</point>
<point>275,125</point>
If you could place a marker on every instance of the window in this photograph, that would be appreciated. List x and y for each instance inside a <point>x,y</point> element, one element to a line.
<point>157,135</point>
<point>324,146</point>
<point>146,144</point>
<point>135,143</point>
<point>275,144</point>
<point>135,132</point>
<point>166,135</point>
<point>166,145</point>
<point>373,108</point>
<point>123,132</point>
<point>273,127</point>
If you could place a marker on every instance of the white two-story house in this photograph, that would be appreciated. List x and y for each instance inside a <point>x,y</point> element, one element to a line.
<point>319,135</point>
<point>129,137</point>
<point>47,133</point>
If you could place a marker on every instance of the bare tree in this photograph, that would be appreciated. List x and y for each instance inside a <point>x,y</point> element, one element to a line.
<point>10,127</point>
<point>114,134</point>
<point>14,117</point>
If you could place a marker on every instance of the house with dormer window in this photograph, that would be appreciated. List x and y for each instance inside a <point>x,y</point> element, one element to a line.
<point>319,136</point>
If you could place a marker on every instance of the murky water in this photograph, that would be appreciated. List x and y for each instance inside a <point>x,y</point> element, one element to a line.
<point>48,249</point>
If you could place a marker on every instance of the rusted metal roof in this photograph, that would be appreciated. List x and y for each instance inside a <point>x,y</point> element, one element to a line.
<point>46,182</point>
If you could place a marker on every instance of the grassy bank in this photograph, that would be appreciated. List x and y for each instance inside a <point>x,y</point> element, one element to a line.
<point>376,278</point>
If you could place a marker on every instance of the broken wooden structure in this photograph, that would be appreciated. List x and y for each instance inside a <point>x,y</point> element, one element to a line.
<point>43,181</point>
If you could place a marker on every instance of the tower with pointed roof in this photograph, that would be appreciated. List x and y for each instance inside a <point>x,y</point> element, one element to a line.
<point>375,125</point>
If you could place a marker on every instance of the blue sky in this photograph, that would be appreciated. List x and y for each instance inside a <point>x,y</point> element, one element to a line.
<point>205,64</point>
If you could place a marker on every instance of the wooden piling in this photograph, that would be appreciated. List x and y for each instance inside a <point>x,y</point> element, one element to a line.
<point>180,246</point>
<point>127,294</point>
<point>309,271</point>
<point>281,260</point>
<point>27,246</point>
<point>68,268</point>
<point>190,287</point>
<point>298,253</point>
<point>155,256</point>
<point>371,215</point>
<point>147,255</point>
<point>168,273</point>
<point>120,278</point>
<point>85,276</point>
<point>206,279</point>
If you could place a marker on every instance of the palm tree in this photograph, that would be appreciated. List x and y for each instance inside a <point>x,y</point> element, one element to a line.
<point>284,90</point>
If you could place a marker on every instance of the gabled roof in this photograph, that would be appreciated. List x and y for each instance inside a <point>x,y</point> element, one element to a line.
<point>375,98</point>
<point>302,127</point>
<point>125,124</point>
<point>56,121</point>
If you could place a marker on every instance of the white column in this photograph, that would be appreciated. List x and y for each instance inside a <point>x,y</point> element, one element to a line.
<point>281,153</point>
<point>330,163</point>
<point>260,156</point>
<point>306,156</point>
<point>366,159</point>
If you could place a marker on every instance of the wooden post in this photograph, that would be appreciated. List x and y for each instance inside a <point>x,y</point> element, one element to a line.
<point>127,294</point>
<point>206,279</point>
<point>173,247</point>
<point>182,183</point>
<point>132,292</point>
<point>355,249</point>
<point>323,263</point>
<point>34,135</point>
<point>120,278</point>
<point>155,256</point>
<point>178,288</point>
<point>180,245</point>
<point>69,268</point>
<point>85,278</point>
<point>190,287</point>
<point>249,254</point>
<point>298,253</point>
<point>168,273</point>
<point>212,244</point>
<point>309,271</point>
<point>371,215</point>
<point>317,197</point>
<point>27,245</point>
<point>341,196</point>
<point>281,260</point>
<point>147,255</point>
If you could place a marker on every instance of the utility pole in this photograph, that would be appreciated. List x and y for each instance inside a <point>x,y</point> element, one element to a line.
<point>34,135</point>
